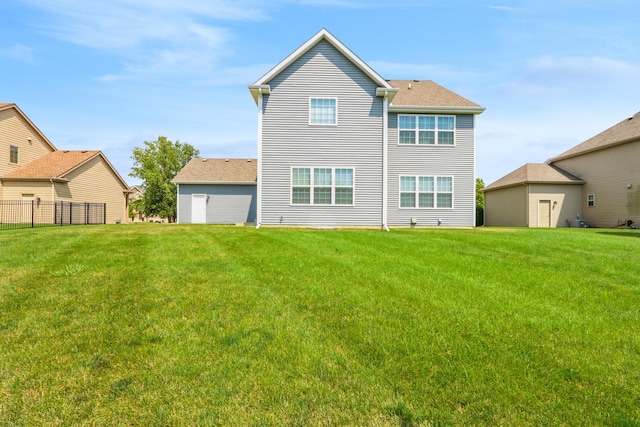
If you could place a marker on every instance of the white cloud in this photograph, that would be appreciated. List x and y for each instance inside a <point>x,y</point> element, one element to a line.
<point>507,8</point>
<point>18,52</point>
<point>437,72</point>
<point>148,36</point>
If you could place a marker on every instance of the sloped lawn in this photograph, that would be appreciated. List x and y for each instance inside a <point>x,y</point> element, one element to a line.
<point>203,325</point>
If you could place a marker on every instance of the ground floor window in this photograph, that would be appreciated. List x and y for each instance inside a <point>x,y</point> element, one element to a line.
<point>426,192</point>
<point>591,200</point>
<point>322,186</point>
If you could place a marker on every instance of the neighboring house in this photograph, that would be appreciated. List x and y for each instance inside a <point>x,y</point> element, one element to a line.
<point>31,168</point>
<point>595,183</point>
<point>217,191</point>
<point>136,192</point>
<point>339,145</point>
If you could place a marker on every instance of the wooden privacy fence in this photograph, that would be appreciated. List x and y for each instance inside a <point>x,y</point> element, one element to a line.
<point>38,213</point>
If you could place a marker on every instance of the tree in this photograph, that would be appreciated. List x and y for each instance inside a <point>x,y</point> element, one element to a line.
<point>157,163</point>
<point>479,194</point>
<point>479,202</point>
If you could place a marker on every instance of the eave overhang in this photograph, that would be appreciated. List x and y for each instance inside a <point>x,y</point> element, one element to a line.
<point>435,109</point>
<point>257,90</point>
<point>323,34</point>
<point>215,182</point>
<point>32,179</point>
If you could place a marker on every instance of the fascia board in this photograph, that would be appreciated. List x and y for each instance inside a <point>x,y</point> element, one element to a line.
<point>215,182</point>
<point>434,109</point>
<point>323,35</point>
<point>257,90</point>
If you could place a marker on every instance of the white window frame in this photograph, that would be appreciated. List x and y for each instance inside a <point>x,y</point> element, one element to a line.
<point>417,191</point>
<point>312,186</point>
<point>331,98</point>
<point>14,149</point>
<point>591,200</point>
<point>436,131</point>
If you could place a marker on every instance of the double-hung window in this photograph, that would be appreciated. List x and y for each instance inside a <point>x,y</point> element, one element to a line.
<point>426,192</point>
<point>426,130</point>
<point>591,200</point>
<point>322,186</point>
<point>323,111</point>
<point>13,154</point>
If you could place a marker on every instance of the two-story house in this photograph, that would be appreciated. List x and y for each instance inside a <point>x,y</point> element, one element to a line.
<point>595,184</point>
<point>31,168</point>
<point>338,145</point>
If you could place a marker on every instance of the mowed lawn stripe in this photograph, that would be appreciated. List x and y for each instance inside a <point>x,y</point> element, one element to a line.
<point>173,325</point>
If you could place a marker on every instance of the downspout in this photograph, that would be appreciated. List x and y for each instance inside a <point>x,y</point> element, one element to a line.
<point>385,160</point>
<point>53,190</point>
<point>259,177</point>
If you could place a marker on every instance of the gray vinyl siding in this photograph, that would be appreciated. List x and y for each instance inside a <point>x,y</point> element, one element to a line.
<point>226,204</point>
<point>433,160</point>
<point>289,141</point>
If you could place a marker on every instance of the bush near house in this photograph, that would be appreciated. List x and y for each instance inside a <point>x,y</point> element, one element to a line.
<point>210,325</point>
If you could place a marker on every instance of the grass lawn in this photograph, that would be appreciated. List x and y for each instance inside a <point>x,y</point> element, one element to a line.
<point>205,325</point>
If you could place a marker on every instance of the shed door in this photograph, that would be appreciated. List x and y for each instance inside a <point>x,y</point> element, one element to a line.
<point>544,213</point>
<point>198,208</point>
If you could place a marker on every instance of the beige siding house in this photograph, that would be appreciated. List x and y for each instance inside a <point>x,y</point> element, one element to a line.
<point>595,184</point>
<point>32,168</point>
<point>21,142</point>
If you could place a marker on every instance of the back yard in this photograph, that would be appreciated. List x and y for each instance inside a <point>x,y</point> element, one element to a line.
<point>206,325</point>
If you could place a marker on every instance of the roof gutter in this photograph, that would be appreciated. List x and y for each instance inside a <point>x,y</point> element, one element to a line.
<point>217,182</point>
<point>258,90</point>
<point>38,179</point>
<point>435,109</point>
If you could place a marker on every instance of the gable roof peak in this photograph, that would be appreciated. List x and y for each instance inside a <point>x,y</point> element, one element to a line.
<point>261,85</point>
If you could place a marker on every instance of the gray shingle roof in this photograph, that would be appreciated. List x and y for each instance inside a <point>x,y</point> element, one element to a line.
<point>535,173</point>
<point>208,170</point>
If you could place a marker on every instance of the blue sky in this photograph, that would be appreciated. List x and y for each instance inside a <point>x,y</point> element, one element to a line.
<point>110,74</point>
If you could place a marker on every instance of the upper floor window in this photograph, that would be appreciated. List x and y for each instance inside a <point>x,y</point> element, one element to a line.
<point>426,130</point>
<point>321,186</point>
<point>426,192</point>
<point>13,154</point>
<point>591,200</point>
<point>323,111</point>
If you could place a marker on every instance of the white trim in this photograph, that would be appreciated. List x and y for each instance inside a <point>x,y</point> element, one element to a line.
<point>423,109</point>
<point>259,183</point>
<point>385,161</point>
<point>334,98</point>
<point>323,34</point>
<point>216,182</point>
<point>474,196</point>
<point>417,192</point>
<point>435,130</point>
<point>333,186</point>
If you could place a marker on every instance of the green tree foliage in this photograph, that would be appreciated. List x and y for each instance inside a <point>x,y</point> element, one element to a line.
<point>157,163</point>
<point>479,195</point>
<point>479,202</point>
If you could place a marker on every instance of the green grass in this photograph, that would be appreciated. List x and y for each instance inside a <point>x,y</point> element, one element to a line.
<point>203,325</point>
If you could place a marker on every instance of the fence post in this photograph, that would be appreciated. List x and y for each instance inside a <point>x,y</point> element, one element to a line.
<point>33,208</point>
<point>104,213</point>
